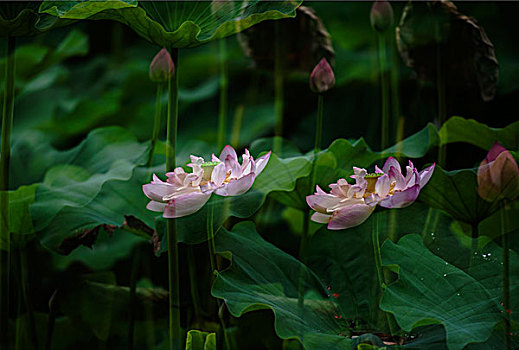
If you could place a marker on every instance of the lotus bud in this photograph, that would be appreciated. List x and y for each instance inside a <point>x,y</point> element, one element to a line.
<point>381,16</point>
<point>322,78</point>
<point>498,175</point>
<point>162,67</point>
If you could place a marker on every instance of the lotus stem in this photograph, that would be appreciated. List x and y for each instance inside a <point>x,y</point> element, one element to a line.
<point>384,83</point>
<point>319,125</point>
<point>212,260</point>
<point>378,264</point>
<point>22,278</point>
<point>278,90</point>
<point>51,320</point>
<point>222,112</point>
<point>440,86</point>
<point>156,123</point>
<point>133,301</point>
<point>175,332</point>
<point>506,274</point>
<point>194,284</point>
<point>5,155</point>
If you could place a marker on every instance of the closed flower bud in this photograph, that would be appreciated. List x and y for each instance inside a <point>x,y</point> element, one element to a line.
<point>498,175</point>
<point>381,15</point>
<point>162,67</point>
<point>322,78</point>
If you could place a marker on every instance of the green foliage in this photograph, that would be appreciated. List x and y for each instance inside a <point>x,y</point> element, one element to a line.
<point>458,129</point>
<point>430,290</point>
<point>455,192</point>
<point>197,340</point>
<point>276,281</point>
<point>177,24</point>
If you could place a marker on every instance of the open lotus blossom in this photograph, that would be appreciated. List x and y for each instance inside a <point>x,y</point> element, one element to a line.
<point>350,205</point>
<point>498,175</point>
<point>184,193</point>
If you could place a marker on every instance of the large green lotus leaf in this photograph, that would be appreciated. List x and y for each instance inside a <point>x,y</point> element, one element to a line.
<point>198,340</point>
<point>344,259</point>
<point>63,204</point>
<point>177,23</point>
<point>262,276</point>
<point>279,175</point>
<point>432,291</point>
<point>455,192</point>
<point>458,129</point>
<point>21,18</point>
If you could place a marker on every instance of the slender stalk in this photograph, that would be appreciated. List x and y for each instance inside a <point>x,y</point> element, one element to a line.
<point>222,112</point>
<point>175,332</point>
<point>22,279</point>
<point>212,260</point>
<point>51,321</point>
<point>5,156</point>
<point>440,86</point>
<point>156,122</point>
<point>194,285</point>
<point>506,274</point>
<point>378,264</point>
<point>384,82</point>
<point>133,301</point>
<point>319,124</point>
<point>210,239</point>
<point>278,89</point>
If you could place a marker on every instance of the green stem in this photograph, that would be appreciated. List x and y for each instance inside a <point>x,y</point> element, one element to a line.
<point>319,124</point>
<point>22,279</point>
<point>156,122</point>
<point>278,89</point>
<point>212,260</point>
<point>378,264</point>
<point>210,238</point>
<point>222,112</point>
<point>194,285</point>
<point>440,86</point>
<point>175,332</point>
<point>133,301</point>
<point>506,274</point>
<point>384,82</point>
<point>51,321</point>
<point>5,156</point>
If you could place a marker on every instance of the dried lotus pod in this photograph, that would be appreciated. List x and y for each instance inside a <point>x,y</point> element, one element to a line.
<point>467,53</point>
<point>304,41</point>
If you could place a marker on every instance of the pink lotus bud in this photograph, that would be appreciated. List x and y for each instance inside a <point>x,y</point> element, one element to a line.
<point>162,67</point>
<point>498,175</point>
<point>381,15</point>
<point>322,78</point>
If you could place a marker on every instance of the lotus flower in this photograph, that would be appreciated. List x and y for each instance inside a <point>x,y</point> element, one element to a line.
<point>185,193</point>
<point>350,205</point>
<point>498,175</point>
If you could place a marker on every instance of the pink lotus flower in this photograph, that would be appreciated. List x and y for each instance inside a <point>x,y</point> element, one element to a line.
<point>498,175</point>
<point>185,193</point>
<point>350,205</point>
